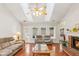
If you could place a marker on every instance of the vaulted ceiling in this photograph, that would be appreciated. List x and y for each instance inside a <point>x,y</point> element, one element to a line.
<point>55,12</point>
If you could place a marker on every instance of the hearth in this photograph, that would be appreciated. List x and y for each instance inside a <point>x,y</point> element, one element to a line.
<point>75,42</point>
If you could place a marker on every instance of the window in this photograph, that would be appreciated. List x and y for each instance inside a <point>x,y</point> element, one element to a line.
<point>43,31</point>
<point>35,30</point>
<point>61,31</point>
<point>51,31</point>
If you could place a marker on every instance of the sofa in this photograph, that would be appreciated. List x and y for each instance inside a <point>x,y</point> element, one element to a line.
<point>9,46</point>
<point>43,39</point>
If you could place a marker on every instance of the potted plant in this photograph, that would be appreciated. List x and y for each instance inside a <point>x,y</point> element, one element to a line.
<point>64,43</point>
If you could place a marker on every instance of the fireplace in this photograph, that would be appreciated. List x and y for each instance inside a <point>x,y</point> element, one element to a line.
<point>75,42</point>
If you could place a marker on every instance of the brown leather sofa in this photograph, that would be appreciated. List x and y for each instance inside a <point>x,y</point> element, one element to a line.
<point>9,47</point>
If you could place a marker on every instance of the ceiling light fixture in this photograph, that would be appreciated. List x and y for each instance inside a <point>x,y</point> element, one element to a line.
<point>39,10</point>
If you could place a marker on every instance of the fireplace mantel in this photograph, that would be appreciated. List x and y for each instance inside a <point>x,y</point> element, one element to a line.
<point>73,34</point>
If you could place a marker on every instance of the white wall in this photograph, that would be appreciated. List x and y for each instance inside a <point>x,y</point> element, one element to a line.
<point>70,19</point>
<point>8,24</point>
<point>29,26</point>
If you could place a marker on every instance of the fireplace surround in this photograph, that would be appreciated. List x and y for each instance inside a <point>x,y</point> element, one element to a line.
<point>74,42</point>
<point>73,46</point>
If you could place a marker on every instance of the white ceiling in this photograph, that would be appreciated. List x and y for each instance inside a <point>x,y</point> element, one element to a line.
<point>60,11</point>
<point>28,13</point>
<point>55,12</point>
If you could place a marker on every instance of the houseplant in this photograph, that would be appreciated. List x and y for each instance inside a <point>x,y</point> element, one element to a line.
<point>64,43</point>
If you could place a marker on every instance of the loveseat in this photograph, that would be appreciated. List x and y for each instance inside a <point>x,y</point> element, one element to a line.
<point>9,46</point>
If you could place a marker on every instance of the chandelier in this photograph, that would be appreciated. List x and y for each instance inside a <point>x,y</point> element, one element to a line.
<point>39,10</point>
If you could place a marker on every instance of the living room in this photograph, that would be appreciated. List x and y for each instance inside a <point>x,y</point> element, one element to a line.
<point>54,30</point>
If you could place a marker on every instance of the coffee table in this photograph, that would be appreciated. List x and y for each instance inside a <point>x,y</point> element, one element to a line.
<point>41,50</point>
<point>41,53</point>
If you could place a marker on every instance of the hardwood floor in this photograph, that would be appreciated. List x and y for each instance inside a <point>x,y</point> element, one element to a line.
<point>27,51</point>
